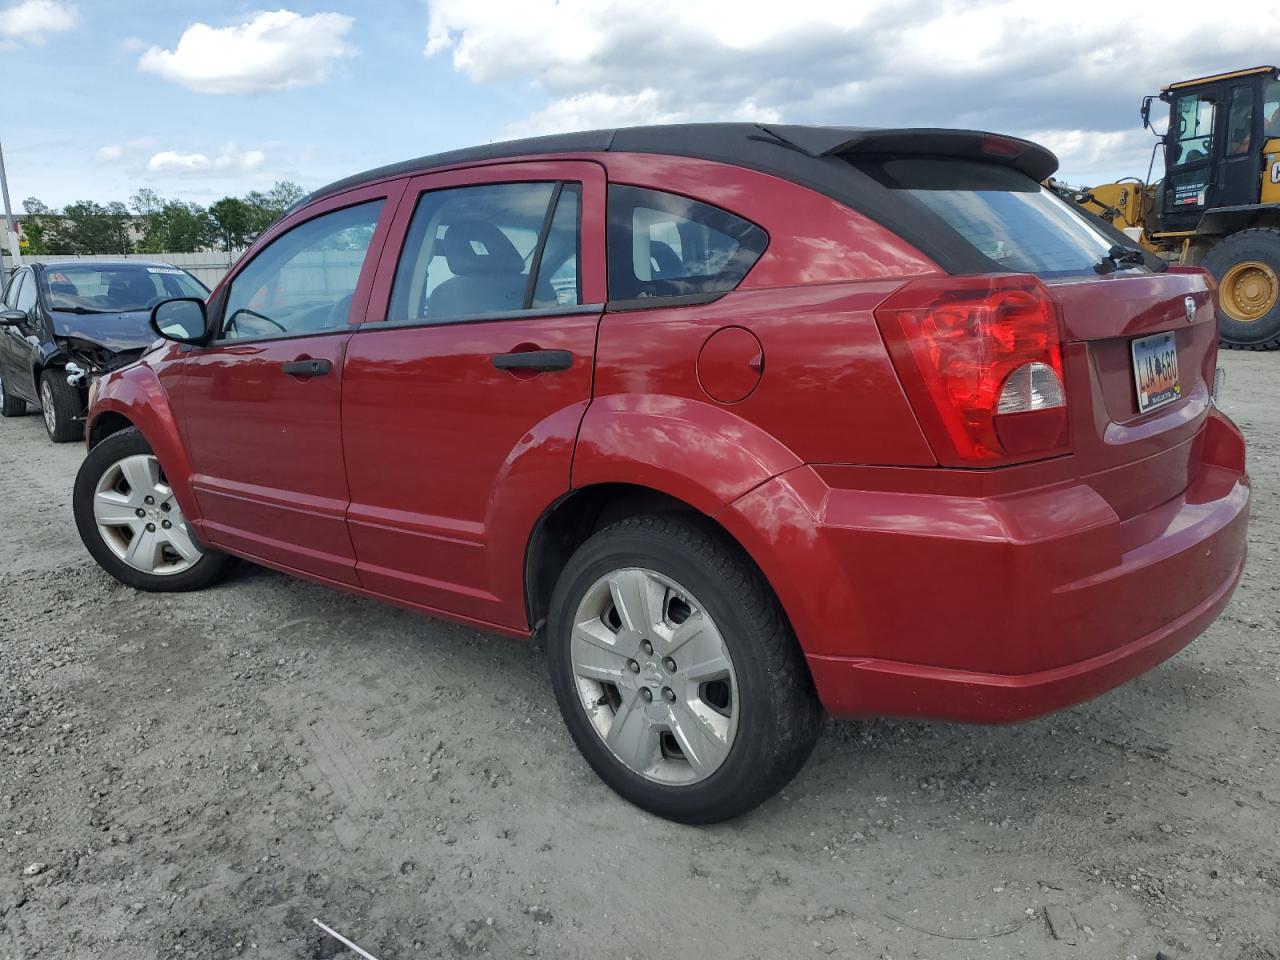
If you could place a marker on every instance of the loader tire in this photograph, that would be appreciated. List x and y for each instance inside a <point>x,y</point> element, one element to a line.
<point>1247,267</point>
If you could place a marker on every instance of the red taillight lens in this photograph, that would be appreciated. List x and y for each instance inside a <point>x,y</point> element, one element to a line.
<point>981,359</point>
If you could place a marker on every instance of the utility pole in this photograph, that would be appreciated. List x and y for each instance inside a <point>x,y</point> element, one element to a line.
<point>11,231</point>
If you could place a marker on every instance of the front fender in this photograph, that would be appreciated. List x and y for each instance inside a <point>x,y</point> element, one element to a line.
<point>697,452</point>
<point>137,394</point>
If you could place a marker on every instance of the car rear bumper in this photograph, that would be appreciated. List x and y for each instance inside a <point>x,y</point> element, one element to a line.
<point>996,608</point>
<point>866,687</point>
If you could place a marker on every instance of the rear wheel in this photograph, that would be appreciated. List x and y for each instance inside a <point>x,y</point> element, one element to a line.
<point>676,671</point>
<point>131,522</point>
<point>1247,268</point>
<point>11,406</point>
<point>60,403</point>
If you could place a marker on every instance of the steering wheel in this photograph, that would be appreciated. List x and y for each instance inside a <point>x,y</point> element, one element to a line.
<point>231,320</point>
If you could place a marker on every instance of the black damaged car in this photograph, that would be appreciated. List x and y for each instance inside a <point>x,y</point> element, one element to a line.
<point>62,324</point>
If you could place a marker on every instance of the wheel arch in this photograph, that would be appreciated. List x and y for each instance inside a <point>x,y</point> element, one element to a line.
<point>104,425</point>
<point>566,524</point>
<point>134,397</point>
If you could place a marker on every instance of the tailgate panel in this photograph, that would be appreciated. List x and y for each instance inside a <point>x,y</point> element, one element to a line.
<point>1101,317</point>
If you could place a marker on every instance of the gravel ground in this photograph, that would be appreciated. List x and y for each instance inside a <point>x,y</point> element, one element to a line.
<point>199,775</point>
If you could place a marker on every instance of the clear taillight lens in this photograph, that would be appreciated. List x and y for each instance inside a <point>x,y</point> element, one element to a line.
<point>981,359</point>
<point>1033,386</point>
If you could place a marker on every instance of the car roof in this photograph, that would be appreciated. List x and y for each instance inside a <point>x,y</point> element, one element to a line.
<point>756,145</point>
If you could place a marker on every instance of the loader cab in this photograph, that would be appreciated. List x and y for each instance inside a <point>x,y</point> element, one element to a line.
<point>1223,131</point>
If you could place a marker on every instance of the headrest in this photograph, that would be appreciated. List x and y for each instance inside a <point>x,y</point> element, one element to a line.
<point>131,287</point>
<point>472,246</point>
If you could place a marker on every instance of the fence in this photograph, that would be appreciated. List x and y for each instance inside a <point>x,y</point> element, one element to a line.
<point>209,268</point>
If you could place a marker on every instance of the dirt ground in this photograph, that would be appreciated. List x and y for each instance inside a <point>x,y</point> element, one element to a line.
<point>200,775</point>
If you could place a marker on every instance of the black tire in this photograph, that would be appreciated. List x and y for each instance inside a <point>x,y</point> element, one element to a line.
<point>1258,243</point>
<point>62,407</point>
<point>779,717</point>
<point>11,406</point>
<point>205,571</point>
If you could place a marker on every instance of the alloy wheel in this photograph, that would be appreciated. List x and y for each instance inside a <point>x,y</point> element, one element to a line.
<point>46,407</point>
<point>654,676</point>
<point>139,520</point>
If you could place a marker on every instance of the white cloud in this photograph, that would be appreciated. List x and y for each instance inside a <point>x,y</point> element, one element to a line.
<point>272,51</point>
<point>33,20</point>
<point>112,151</point>
<point>229,160</point>
<point>1063,71</point>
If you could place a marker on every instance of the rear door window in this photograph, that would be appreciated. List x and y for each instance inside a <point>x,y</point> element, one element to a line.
<point>490,249</point>
<point>1012,220</point>
<point>665,245</point>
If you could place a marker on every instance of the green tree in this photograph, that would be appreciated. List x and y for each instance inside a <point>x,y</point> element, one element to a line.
<point>266,207</point>
<point>39,226</point>
<point>170,226</point>
<point>232,221</point>
<point>89,227</point>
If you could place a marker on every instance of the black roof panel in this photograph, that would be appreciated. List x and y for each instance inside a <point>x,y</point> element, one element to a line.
<point>726,142</point>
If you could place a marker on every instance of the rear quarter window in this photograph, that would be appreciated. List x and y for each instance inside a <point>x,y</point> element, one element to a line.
<point>665,245</point>
<point>1014,222</point>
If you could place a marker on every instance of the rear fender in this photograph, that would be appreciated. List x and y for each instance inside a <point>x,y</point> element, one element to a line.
<point>696,452</point>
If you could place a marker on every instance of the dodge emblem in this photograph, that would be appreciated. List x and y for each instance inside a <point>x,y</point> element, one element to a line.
<point>1190,304</point>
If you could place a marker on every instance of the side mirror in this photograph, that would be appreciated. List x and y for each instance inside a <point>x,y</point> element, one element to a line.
<point>1146,112</point>
<point>12,318</point>
<point>183,320</point>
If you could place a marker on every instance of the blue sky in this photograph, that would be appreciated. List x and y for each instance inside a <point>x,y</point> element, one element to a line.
<point>199,99</point>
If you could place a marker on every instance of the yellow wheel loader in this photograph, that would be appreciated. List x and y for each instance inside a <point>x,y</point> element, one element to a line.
<point>1218,203</point>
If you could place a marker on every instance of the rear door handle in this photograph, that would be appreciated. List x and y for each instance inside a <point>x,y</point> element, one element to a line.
<point>534,360</point>
<point>306,368</point>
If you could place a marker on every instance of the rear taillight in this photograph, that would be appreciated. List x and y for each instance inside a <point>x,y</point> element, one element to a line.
<point>981,359</point>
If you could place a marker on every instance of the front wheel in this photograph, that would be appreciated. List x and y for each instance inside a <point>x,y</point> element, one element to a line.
<point>131,522</point>
<point>61,405</point>
<point>676,671</point>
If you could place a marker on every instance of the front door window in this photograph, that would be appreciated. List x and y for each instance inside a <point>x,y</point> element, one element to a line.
<point>305,280</point>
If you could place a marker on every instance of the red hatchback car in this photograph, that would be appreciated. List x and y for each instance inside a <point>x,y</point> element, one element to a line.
<point>744,420</point>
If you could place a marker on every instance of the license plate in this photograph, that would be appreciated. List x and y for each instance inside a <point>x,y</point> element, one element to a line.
<point>1155,371</point>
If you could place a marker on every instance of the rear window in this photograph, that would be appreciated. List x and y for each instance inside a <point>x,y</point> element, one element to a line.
<point>1010,219</point>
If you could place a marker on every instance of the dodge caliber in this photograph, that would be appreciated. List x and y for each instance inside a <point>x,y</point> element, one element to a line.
<point>744,422</point>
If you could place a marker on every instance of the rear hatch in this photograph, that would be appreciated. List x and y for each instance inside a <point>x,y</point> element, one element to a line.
<point>1107,322</point>
<point>1125,322</point>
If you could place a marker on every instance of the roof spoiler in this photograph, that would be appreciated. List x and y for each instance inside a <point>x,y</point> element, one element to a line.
<point>1030,158</point>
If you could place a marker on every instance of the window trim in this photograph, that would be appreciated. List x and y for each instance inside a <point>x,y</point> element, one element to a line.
<point>566,310</point>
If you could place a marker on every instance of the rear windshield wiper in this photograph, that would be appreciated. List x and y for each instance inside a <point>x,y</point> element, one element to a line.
<point>1118,256</point>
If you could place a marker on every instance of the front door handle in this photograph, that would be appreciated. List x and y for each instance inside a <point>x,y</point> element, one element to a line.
<point>538,360</point>
<point>306,368</point>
